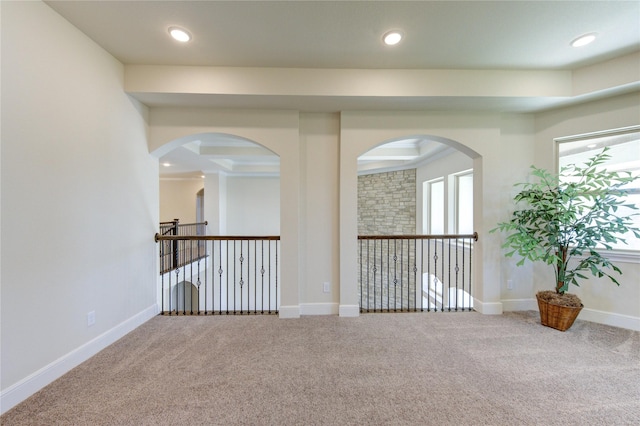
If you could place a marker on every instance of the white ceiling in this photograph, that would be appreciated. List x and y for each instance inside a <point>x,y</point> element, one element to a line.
<point>463,35</point>
<point>213,153</point>
<point>347,34</point>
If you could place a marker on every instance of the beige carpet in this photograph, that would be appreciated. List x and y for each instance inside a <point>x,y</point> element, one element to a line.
<point>378,369</point>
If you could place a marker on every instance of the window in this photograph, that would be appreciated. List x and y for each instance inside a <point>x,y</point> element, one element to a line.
<point>624,149</point>
<point>463,188</point>
<point>448,204</point>
<point>433,196</point>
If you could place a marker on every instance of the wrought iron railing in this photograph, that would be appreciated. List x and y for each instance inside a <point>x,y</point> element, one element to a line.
<point>415,272</point>
<point>226,275</point>
<point>174,255</point>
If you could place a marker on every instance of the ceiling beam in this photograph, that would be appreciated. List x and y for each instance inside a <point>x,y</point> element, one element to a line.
<point>345,82</point>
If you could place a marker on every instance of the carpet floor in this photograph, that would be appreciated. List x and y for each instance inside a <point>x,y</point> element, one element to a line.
<point>377,369</point>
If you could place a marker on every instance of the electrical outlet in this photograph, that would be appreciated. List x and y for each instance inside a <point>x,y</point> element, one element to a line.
<point>91,318</point>
<point>510,284</point>
<point>327,287</point>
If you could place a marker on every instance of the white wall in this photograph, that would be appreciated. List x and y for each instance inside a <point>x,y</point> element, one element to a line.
<point>517,154</point>
<point>253,205</point>
<point>178,199</point>
<point>603,300</point>
<point>79,201</point>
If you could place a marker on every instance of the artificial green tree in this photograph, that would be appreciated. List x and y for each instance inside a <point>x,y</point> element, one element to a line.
<point>568,220</point>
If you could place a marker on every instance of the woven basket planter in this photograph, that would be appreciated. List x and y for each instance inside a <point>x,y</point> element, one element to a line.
<point>557,316</point>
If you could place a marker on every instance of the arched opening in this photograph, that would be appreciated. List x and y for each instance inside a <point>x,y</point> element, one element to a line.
<point>415,207</point>
<point>236,183</point>
<point>184,297</point>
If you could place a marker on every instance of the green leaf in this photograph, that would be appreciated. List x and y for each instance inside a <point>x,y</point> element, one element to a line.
<point>575,212</point>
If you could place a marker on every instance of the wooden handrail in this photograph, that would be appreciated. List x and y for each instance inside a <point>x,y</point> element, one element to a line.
<point>191,224</point>
<point>159,237</point>
<point>419,237</point>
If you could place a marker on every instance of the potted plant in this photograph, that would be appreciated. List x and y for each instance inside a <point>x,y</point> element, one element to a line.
<point>568,220</point>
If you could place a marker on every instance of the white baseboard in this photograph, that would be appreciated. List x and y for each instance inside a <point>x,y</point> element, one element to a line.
<point>509,305</point>
<point>26,387</point>
<point>593,315</point>
<point>292,311</point>
<point>318,309</point>
<point>349,310</point>
<point>608,318</point>
<point>493,308</point>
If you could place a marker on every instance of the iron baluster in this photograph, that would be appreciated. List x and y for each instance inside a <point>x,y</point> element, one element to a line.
<point>262,274</point>
<point>442,273</point>
<point>470,275</point>
<point>388,275</point>
<point>255,278</point>
<point>429,276</point>
<point>414,269</point>
<point>401,275</point>
<point>395,275</point>
<point>421,276</point>
<point>175,245</point>
<point>361,275</point>
<point>241,282</point>
<point>457,271</point>
<point>177,291</point>
<point>162,278</point>
<point>374,272</point>
<point>435,276</point>
<point>275,278</point>
<point>269,279</point>
<point>220,272</point>
<point>449,275</point>
<point>190,278</point>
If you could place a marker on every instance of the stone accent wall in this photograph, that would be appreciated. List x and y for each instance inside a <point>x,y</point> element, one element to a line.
<point>387,206</point>
<point>387,203</point>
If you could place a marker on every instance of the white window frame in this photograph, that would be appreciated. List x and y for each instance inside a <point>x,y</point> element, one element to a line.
<point>427,205</point>
<point>456,197</point>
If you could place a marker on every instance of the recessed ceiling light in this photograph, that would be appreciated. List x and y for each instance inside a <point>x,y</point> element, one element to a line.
<point>179,34</point>
<point>583,40</point>
<point>166,164</point>
<point>392,38</point>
